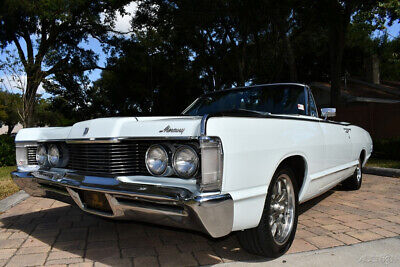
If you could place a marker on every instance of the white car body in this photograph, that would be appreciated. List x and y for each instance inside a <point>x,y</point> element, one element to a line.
<point>253,148</point>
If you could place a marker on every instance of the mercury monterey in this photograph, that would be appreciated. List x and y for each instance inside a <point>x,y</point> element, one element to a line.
<point>235,160</point>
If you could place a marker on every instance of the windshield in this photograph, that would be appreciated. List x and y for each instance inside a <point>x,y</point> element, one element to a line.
<point>275,99</point>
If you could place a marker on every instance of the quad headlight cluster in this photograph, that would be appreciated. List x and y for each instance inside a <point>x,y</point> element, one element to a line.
<point>164,161</point>
<point>53,155</point>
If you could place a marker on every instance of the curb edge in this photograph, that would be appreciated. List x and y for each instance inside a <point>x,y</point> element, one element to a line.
<point>11,201</point>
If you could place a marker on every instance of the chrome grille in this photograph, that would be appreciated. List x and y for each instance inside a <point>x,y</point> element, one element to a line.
<point>125,158</point>
<point>31,155</point>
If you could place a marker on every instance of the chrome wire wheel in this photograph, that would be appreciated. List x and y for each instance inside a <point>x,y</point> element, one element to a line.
<point>282,209</point>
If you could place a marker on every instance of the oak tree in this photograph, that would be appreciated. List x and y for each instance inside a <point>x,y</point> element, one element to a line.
<point>48,35</point>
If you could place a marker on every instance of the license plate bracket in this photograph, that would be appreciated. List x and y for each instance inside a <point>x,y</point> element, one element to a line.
<point>96,201</point>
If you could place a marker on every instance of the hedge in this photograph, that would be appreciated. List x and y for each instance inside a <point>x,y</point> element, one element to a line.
<point>7,150</point>
<point>387,148</point>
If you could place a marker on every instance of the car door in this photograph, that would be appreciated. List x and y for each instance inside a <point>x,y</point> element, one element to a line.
<point>338,149</point>
<point>337,152</point>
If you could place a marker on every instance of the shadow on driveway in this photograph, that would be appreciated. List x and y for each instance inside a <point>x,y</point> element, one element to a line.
<point>68,235</point>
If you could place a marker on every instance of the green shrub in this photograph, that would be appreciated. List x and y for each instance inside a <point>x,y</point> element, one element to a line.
<point>387,149</point>
<point>7,150</point>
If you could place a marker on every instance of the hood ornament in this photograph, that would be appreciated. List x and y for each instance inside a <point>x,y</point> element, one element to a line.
<point>168,129</point>
<point>85,131</point>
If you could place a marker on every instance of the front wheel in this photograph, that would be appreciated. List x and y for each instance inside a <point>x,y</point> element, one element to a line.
<point>276,230</point>
<point>354,181</point>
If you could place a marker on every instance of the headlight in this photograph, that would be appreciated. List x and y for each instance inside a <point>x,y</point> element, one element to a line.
<point>156,160</point>
<point>54,155</point>
<point>57,155</point>
<point>41,155</point>
<point>185,161</point>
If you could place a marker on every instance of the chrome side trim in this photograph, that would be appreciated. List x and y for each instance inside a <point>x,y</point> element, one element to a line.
<point>93,140</point>
<point>331,173</point>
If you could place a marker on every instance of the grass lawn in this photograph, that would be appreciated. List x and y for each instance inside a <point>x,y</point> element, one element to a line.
<point>383,163</point>
<point>7,186</point>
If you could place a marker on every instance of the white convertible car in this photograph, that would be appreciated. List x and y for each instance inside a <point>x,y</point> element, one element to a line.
<point>235,160</point>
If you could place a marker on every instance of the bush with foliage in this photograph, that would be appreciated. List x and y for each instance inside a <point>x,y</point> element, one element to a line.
<point>7,150</point>
<point>387,148</point>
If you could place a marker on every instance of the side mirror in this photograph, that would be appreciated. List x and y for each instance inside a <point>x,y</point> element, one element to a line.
<point>328,112</point>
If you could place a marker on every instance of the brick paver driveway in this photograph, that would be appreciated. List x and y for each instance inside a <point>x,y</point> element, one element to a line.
<point>47,232</point>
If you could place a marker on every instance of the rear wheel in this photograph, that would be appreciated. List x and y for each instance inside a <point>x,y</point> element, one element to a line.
<point>354,182</point>
<point>276,230</point>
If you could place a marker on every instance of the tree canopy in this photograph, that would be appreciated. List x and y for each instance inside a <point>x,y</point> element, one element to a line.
<point>180,49</point>
<point>9,112</point>
<point>47,34</point>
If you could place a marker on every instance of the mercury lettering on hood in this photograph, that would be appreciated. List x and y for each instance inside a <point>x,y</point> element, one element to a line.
<point>168,129</point>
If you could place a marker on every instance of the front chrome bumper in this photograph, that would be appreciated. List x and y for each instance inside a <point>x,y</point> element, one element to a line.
<point>158,204</point>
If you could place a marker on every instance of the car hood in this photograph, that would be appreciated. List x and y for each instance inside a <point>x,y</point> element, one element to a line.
<point>183,126</point>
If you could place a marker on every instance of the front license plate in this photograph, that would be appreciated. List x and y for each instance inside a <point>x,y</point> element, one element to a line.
<point>96,200</point>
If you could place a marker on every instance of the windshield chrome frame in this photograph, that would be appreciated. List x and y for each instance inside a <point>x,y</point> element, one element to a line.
<point>309,94</point>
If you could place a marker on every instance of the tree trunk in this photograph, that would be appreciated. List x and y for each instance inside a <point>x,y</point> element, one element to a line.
<point>335,85</point>
<point>336,68</point>
<point>28,114</point>
<point>336,47</point>
<point>29,102</point>
<point>291,59</point>
<point>339,20</point>
<point>10,128</point>
<point>282,27</point>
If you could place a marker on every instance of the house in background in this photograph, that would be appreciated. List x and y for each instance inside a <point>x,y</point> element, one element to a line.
<point>4,129</point>
<point>375,107</point>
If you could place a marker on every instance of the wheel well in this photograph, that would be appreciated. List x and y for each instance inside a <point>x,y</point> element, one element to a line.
<point>362,156</point>
<point>298,165</point>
